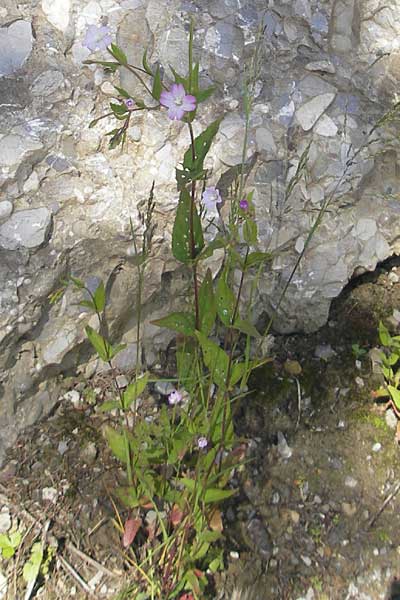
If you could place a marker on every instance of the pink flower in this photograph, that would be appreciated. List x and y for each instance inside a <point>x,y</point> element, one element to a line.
<point>202,442</point>
<point>129,103</point>
<point>211,197</point>
<point>97,38</point>
<point>244,205</point>
<point>175,397</point>
<point>177,101</point>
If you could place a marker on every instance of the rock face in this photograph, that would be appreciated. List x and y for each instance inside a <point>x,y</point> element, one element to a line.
<point>329,70</point>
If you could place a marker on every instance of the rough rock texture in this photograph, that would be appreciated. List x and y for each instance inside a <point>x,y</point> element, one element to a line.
<point>330,69</point>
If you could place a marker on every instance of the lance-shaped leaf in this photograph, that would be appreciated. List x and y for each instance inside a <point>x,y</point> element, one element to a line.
<point>202,145</point>
<point>256,258</point>
<point>207,304</point>
<point>119,54</point>
<point>99,343</point>
<point>246,327</point>
<point>177,321</point>
<point>116,441</point>
<point>181,238</point>
<point>134,390</point>
<point>108,66</point>
<point>395,394</point>
<point>99,297</point>
<point>225,300</point>
<point>250,231</point>
<point>157,85</point>
<point>145,63</point>
<point>179,79</point>
<point>215,359</point>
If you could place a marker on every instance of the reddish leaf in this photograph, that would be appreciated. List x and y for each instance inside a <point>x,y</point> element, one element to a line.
<point>187,596</point>
<point>131,528</point>
<point>176,515</point>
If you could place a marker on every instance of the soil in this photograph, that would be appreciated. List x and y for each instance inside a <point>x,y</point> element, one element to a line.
<point>317,513</point>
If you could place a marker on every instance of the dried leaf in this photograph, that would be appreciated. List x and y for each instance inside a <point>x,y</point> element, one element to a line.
<point>131,528</point>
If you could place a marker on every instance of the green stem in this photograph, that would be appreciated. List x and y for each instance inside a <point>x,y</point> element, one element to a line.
<point>191,234</point>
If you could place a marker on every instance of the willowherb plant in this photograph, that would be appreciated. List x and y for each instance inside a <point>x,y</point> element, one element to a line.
<point>179,465</point>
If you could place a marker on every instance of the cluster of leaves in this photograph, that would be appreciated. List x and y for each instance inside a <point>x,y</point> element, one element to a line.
<point>390,367</point>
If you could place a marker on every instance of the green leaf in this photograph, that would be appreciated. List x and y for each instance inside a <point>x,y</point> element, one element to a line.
<point>256,258</point>
<point>202,145</point>
<point>99,297</point>
<point>177,321</point>
<point>395,394</point>
<point>225,300</point>
<point>145,63</point>
<point>215,359</point>
<point>384,335</point>
<point>215,244</point>
<point>77,282</point>
<point>181,242</point>
<point>185,176</point>
<point>87,304</point>
<point>237,372</point>
<point>217,495</point>
<point>186,356</point>
<point>109,406</point>
<point>250,231</point>
<point>157,85</point>
<point>32,566</point>
<point>119,110</point>
<point>207,304</point>
<point>203,95</point>
<point>118,54</point>
<point>100,344</point>
<point>116,441</point>
<point>128,496</point>
<point>114,350</point>
<point>246,327</point>
<point>122,92</point>
<point>134,390</point>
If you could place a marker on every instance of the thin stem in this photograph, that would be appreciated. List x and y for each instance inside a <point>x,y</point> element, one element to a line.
<point>191,234</point>
<point>133,70</point>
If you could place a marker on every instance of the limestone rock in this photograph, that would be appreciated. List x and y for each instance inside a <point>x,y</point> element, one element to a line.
<point>15,46</point>
<point>57,12</point>
<point>309,113</point>
<point>25,229</point>
<point>16,148</point>
<point>6,209</point>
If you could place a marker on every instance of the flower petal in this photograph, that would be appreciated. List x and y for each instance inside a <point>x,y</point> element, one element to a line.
<point>167,99</point>
<point>176,112</point>
<point>177,91</point>
<point>189,103</point>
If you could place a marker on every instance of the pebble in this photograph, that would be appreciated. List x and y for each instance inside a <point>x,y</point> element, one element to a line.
<point>74,397</point>
<point>164,387</point>
<point>5,520</point>
<point>391,419</point>
<point>360,382</point>
<point>306,560</point>
<point>349,509</point>
<point>122,381</point>
<point>376,447</point>
<point>62,447</point>
<point>233,554</point>
<point>50,494</point>
<point>324,352</point>
<point>260,537</point>
<point>284,449</point>
<point>6,208</point>
<point>350,482</point>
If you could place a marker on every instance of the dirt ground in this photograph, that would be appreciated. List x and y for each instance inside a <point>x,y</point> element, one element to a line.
<point>317,514</point>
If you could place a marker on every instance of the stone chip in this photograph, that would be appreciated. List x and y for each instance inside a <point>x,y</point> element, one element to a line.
<point>25,229</point>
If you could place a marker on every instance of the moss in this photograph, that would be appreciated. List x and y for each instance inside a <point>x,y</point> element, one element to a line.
<point>365,416</point>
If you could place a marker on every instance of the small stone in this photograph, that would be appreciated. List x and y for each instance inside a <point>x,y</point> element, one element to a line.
<point>324,352</point>
<point>275,498</point>
<point>265,141</point>
<point>317,499</point>
<point>341,425</point>
<point>376,447</point>
<point>324,66</point>
<point>62,447</point>
<point>57,12</point>
<point>326,127</point>
<point>306,560</point>
<point>309,113</point>
<point>359,381</point>
<point>391,419</point>
<point>89,452</point>
<point>165,388</point>
<point>295,517</point>
<point>350,482</point>
<point>349,509</point>
<point>32,183</point>
<point>234,555</point>
<point>394,278</point>
<point>15,46</point>
<point>26,229</point>
<point>47,83</point>
<point>5,520</point>
<point>49,494</point>
<point>122,381</point>
<point>6,209</point>
<point>74,397</point>
<point>292,367</point>
<point>283,448</point>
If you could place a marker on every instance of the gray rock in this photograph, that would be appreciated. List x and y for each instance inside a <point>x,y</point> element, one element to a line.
<point>260,537</point>
<point>26,229</point>
<point>57,13</point>
<point>16,148</point>
<point>309,113</point>
<point>15,46</point>
<point>6,208</point>
<point>47,83</point>
<point>284,449</point>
